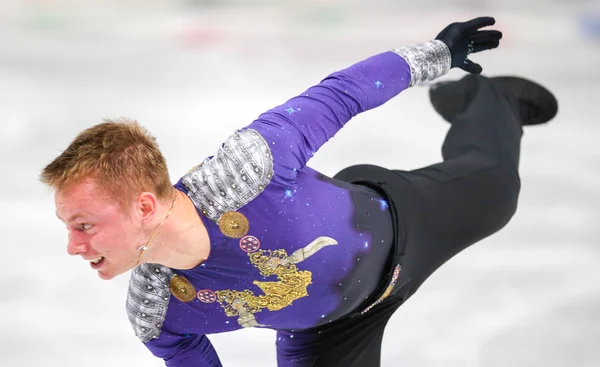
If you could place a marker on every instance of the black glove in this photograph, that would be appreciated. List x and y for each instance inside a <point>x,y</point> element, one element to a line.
<point>464,39</point>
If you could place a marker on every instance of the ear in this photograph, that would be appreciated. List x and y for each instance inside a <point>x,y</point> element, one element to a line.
<point>146,206</point>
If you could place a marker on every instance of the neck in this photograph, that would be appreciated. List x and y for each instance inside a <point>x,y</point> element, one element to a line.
<point>182,242</point>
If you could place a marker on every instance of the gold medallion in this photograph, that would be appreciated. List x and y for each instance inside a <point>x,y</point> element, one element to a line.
<point>234,224</point>
<point>182,289</point>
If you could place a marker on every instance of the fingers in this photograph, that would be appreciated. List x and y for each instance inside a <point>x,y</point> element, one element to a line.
<point>485,40</point>
<point>471,67</point>
<point>485,36</point>
<point>475,24</point>
<point>478,47</point>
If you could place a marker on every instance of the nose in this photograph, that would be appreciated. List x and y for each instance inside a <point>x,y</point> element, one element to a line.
<point>75,246</point>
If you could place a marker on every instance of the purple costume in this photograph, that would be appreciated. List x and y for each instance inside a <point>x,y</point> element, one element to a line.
<point>290,249</point>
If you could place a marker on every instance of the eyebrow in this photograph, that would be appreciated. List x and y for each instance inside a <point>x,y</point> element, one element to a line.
<point>71,218</point>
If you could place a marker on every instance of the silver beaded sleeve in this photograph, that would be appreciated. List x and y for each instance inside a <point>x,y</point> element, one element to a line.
<point>148,299</point>
<point>428,61</point>
<point>239,172</point>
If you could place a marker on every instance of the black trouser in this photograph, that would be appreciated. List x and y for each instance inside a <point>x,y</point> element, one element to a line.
<point>440,210</point>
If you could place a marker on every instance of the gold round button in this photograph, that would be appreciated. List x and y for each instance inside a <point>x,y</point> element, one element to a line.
<point>182,289</point>
<point>234,224</point>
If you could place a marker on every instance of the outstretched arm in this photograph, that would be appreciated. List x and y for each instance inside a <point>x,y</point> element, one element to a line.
<point>296,129</point>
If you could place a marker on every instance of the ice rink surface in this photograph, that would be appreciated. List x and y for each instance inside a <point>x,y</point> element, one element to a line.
<point>193,72</point>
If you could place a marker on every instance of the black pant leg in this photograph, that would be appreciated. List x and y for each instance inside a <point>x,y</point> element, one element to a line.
<point>490,125</point>
<point>474,192</point>
<point>445,208</point>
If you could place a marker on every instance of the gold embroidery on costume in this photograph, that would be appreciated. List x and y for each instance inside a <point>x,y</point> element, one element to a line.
<point>182,289</point>
<point>234,224</point>
<point>387,291</point>
<point>291,283</point>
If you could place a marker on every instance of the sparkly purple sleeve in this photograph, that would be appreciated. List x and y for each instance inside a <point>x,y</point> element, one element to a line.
<point>184,351</point>
<point>296,129</point>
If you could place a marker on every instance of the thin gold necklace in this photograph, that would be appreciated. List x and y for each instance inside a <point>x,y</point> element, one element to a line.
<point>145,247</point>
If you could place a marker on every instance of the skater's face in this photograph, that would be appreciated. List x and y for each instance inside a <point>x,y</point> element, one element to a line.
<point>99,228</point>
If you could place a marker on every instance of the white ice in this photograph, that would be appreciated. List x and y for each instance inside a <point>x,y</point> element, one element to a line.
<point>528,296</point>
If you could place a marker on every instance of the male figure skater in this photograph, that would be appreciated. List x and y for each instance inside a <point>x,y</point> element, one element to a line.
<point>252,237</point>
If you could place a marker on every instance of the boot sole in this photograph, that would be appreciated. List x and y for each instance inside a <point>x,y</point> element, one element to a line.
<point>533,94</point>
<point>448,102</point>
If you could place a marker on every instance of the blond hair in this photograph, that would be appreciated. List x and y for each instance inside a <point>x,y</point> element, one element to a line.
<point>121,156</point>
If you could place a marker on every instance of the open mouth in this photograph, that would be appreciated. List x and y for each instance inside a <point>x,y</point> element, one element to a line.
<point>97,263</point>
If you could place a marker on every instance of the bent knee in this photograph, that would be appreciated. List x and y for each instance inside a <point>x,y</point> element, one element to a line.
<point>506,190</point>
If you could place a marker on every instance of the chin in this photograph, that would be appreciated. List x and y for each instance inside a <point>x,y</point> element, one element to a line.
<point>108,274</point>
<point>104,275</point>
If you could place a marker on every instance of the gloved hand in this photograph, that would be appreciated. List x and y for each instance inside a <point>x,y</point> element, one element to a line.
<point>465,38</point>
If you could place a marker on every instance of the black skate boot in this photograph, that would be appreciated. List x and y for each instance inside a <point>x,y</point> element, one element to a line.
<point>537,104</point>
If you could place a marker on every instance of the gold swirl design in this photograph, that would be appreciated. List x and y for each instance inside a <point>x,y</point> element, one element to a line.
<point>236,302</point>
<point>291,285</point>
<point>268,262</point>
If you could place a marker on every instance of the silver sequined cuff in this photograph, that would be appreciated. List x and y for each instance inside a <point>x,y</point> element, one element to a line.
<point>428,61</point>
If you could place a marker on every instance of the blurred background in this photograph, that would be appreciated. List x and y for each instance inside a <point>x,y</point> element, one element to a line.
<point>193,71</point>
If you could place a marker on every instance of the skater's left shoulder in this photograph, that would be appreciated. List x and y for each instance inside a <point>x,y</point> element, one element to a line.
<point>238,173</point>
